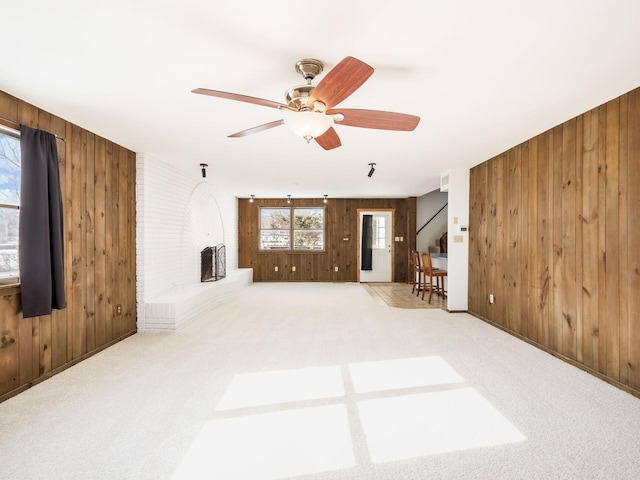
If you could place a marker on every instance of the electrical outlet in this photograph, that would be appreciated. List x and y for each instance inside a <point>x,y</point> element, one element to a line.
<point>491,298</point>
<point>276,269</point>
<point>336,269</point>
<point>118,309</point>
<point>293,269</point>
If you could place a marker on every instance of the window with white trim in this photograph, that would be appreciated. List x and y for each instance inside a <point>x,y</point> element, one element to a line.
<point>9,204</point>
<point>292,228</point>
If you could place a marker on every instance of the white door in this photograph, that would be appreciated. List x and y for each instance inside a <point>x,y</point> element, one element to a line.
<point>382,223</point>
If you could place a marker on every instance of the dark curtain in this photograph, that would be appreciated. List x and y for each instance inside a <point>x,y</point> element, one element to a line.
<point>367,243</point>
<point>41,236</point>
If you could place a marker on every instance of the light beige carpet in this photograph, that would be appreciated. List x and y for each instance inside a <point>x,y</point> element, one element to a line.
<point>319,381</point>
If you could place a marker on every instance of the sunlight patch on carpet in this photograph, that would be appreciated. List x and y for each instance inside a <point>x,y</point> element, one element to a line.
<point>282,386</point>
<point>271,446</point>
<point>430,423</point>
<point>402,373</point>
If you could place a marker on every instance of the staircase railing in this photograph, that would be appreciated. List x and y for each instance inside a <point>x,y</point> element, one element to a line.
<point>434,216</point>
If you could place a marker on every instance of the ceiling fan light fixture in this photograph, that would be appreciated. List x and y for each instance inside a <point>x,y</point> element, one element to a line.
<point>308,125</point>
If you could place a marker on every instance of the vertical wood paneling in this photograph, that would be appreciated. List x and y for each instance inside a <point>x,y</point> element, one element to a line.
<point>601,340</point>
<point>512,246</point>
<point>633,236</point>
<point>523,241</point>
<point>579,200</point>
<point>79,241</point>
<point>544,260</point>
<point>580,323</point>
<point>69,222</point>
<point>109,242</point>
<point>533,292</point>
<point>10,316</point>
<point>130,201</point>
<point>118,237</point>
<point>567,294</point>
<point>623,232</point>
<point>35,348</point>
<point>89,251</point>
<point>611,340</point>
<point>557,264</point>
<point>100,241</point>
<point>341,221</point>
<point>478,237</point>
<point>590,253</point>
<point>495,218</point>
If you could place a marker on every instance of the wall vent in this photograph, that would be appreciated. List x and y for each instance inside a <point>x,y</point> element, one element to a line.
<point>444,182</point>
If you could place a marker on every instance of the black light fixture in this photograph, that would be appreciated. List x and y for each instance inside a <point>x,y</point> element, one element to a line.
<point>204,169</point>
<point>251,199</point>
<point>370,174</point>
<point>325,199</point>
<point>288,198</point>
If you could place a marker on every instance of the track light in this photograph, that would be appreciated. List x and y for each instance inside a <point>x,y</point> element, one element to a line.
<point>370,174</point>
<point>251,199</point>
<point>288,198</point>
<point>325,199</point>
<point>204,169</point>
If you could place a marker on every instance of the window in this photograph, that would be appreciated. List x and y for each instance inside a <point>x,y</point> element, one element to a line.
<point>279,232</point>
<point>275,228</point>
<point>379,234</point>
<point>9,204</point>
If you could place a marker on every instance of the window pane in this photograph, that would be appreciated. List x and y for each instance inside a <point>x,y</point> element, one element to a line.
<point>309,240</point>
<point>275,239</point>
<point>9,170</point>
<point>8,242</point>
<point>275,218</point>
<point>308,227</point>
<point>308,218</point>
<point>9,195</point>
<point>379,233</point>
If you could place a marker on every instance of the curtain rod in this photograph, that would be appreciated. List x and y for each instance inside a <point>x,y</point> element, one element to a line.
<point>18,125</point>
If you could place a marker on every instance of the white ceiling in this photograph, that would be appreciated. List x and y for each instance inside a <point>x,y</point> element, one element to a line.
<point>482,75</point>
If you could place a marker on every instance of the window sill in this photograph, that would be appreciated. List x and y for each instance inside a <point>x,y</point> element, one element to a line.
<point>9,286</point>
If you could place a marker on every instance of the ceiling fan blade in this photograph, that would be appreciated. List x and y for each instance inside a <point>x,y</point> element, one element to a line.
<point>329,139</point>
<point>377,119</point>
<point>239,98</point>
<point>259,128</point>
<point>343,79</point>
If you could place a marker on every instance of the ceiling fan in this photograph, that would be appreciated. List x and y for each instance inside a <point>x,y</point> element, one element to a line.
<point>311,111</point>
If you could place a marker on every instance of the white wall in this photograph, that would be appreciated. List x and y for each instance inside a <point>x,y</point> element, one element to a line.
<point>172,223</point>
<point>458,240</point>
<point>426,206</point>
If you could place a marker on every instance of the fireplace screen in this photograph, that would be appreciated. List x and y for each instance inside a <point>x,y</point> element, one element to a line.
<point>213,263</point>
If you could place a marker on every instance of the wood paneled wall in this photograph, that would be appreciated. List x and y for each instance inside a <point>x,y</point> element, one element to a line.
<point>97,180</point>
<point>341,222</point>
<point>555,237</point>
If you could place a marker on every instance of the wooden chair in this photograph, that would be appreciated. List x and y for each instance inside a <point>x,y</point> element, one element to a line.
<point>432,273</point>
<point>418,272</point>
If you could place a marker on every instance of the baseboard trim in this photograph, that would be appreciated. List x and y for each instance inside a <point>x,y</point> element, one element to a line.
<point>568,360</point>
<point>62,368</point>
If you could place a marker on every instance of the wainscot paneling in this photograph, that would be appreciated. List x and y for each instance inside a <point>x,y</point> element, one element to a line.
<point>341,241</point>
<point>555,237</point>
<point>97,178</point>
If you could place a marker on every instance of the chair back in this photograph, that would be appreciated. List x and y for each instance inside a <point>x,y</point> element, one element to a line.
<point>417,265</point>
<point>426,261</point>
